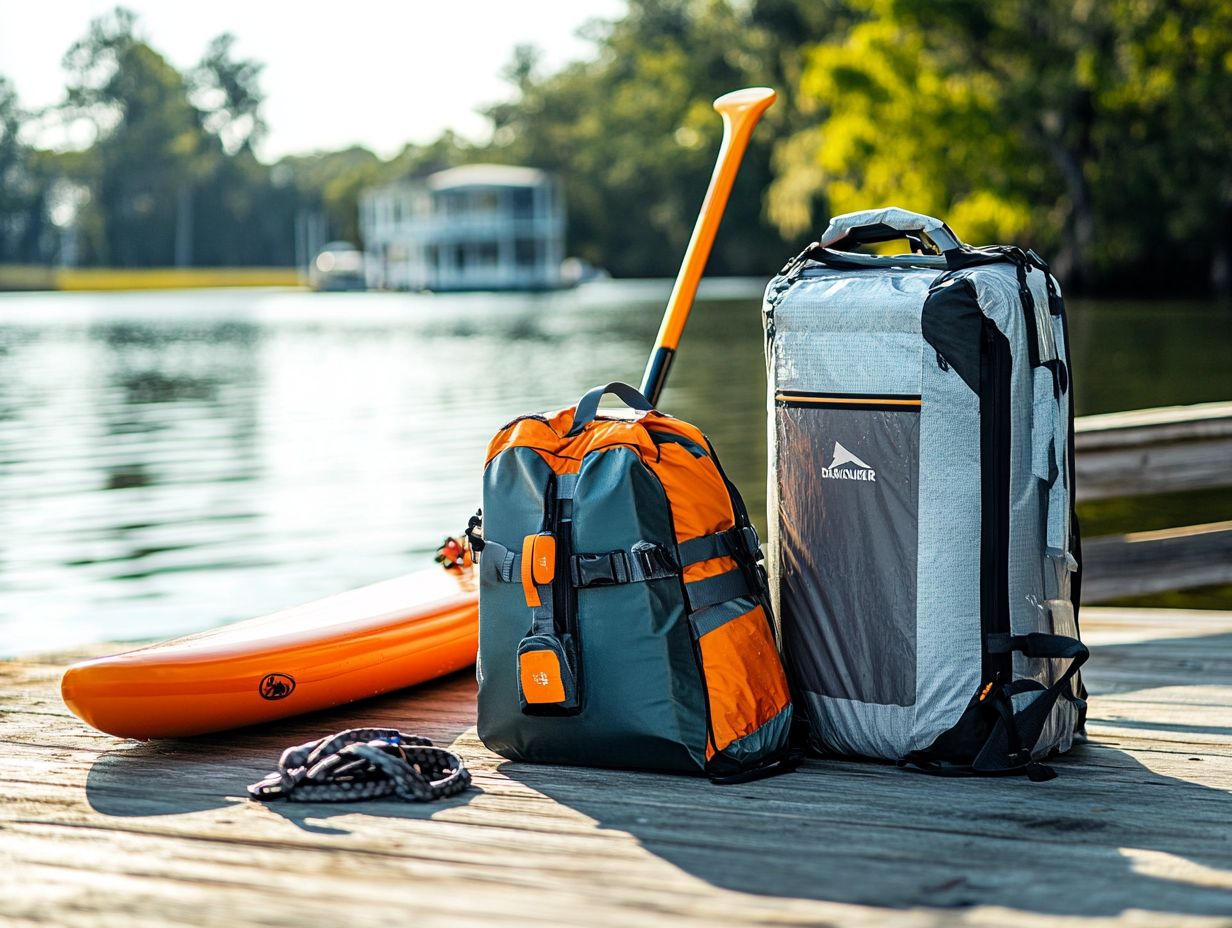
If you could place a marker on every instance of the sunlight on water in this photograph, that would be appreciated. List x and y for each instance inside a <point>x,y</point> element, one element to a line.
<point>171,461</point>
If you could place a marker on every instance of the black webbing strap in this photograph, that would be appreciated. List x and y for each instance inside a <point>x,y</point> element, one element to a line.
<point>770,767</point>
<point>719,588</point>
<point>644,561</point>
<point>1041,645</point>
<point>1022,730</point>
<point>740,543</point>
<point>1007,749</point>
<point>504,563</point>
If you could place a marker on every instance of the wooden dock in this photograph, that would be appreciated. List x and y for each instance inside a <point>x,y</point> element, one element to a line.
<point>1137,829</point>
<point>1140,453</point>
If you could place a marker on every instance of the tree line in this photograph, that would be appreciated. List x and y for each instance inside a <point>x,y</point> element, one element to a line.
<point>1096,133</point>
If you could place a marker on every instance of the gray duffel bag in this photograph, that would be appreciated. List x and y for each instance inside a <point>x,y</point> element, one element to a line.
<point>923,544</point>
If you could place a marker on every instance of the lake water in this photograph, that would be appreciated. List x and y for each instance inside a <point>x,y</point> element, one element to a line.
<point>172,461</point>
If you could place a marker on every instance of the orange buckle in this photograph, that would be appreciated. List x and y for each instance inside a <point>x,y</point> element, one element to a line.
<point>538,565</point>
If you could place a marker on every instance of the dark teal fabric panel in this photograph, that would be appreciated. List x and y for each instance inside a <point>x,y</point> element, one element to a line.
<point>707,620</point>
<point>514,488</point>
<point>645,689</point>
<point>643,703</point>
<point>768,741</point>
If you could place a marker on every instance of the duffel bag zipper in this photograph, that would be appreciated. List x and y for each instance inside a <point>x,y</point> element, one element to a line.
<point>880,402</point>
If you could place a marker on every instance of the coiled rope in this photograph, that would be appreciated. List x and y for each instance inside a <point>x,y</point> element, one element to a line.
<point>364,763</point>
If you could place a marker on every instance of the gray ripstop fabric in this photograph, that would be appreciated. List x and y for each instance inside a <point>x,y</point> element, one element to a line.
<point>882,557</point>
<point>893,217</point>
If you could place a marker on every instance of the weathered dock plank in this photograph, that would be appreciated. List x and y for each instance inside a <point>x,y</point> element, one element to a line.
<point>1153,450</point>
<point>1136,831</point>
<point>1153,562</point>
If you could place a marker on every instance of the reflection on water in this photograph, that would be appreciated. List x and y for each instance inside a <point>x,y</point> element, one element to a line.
<point>170,461</point>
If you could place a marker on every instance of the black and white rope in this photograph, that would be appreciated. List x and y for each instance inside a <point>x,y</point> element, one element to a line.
<point>364,763</point>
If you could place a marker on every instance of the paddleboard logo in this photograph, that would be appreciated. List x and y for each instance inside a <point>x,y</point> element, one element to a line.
<point>846,466</point>
<point>276,686</point>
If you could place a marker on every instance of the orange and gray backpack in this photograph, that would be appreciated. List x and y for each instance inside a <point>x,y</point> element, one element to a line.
<point>623,615</point>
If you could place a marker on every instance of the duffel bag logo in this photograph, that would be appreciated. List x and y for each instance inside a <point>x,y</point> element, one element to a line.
<point>846,466</point>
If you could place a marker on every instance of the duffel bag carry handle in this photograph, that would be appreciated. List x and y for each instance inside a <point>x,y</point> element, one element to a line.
<point>868,226</point>
<point>588,406</point>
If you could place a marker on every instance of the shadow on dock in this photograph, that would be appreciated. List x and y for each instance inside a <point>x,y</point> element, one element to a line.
<point>1107,836</point>
<point>1111,834</point>
<point>211,772</point>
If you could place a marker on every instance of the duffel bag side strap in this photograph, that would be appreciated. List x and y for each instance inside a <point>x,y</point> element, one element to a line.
<point>993,737</point>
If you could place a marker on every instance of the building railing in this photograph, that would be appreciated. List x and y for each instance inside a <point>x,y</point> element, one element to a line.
<point>430,229</point>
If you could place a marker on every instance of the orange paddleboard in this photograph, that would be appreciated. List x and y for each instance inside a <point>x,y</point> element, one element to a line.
<point>326,653</point>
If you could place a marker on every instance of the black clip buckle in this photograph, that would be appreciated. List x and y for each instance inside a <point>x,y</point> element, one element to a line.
<point>750,542</point>
<point>599,569</point>
<point>655,560</point>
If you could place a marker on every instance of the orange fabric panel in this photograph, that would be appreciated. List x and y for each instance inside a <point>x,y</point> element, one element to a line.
<point>698,496</point>
<point>711,568</point>
<point>546,434</point>
<point>744,677</point>
<point>700,504</point>
<point>540,673</point>
<point>695,489</point>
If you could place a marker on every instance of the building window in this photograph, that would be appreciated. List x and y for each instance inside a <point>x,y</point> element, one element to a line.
<point>525,252</point>
<point>483,201</point>
<point>523,202</point>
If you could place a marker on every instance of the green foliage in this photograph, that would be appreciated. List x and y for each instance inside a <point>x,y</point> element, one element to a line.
<point>632,135</point>
<point>1098,132</point>
<point>227,92</point>
<point>21,202</point>
<point>150,144</point>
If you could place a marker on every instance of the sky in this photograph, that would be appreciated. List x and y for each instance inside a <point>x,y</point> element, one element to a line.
<point>371,72</point>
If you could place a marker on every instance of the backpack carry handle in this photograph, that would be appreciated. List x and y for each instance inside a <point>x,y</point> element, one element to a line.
<point>868,226</point>
<point>588,406</point>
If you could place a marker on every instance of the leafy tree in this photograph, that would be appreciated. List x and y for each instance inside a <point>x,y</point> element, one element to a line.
<point>226,90</point>
<point>1096,132</point>
<point>1077,127</point>
<point>27,235</point>
<point>150,145</point>
<point>632,135</point>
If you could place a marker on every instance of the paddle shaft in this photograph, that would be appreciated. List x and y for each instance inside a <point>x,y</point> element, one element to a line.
<point>740,109</point>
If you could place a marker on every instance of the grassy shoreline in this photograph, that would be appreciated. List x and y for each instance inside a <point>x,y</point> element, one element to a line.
<point>33,277</point>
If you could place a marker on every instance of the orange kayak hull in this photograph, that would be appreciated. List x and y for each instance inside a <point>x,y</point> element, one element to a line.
<point>337,650</point>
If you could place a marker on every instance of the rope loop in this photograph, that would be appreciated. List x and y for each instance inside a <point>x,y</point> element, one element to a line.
<point>364,763</point>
